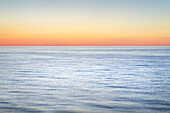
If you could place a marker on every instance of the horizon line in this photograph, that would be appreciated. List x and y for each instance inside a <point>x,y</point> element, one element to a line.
<point>83,46</point>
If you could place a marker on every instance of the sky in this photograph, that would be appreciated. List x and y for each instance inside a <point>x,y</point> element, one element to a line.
<point>84,22</point>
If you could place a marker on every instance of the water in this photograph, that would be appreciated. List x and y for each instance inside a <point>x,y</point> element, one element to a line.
<point>85,79</point>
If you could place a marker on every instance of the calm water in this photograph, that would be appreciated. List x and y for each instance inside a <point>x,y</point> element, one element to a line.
<point>85,79</point>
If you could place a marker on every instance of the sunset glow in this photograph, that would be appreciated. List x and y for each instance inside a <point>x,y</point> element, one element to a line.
<point>84,23</point>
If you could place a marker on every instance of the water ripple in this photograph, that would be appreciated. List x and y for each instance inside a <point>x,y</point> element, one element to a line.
<point>84,79</point>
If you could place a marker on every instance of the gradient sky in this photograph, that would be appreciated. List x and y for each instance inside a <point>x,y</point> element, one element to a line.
<point>84,22</point>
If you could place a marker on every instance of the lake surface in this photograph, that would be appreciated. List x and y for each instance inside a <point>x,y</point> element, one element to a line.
<point>85,79</point>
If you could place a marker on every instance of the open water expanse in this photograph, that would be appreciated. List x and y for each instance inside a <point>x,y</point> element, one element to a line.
<point>84,79</point>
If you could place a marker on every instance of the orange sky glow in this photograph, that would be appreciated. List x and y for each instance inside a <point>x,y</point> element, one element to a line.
<point>84,23</point>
